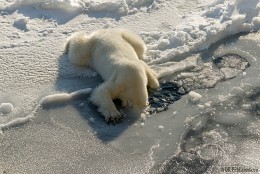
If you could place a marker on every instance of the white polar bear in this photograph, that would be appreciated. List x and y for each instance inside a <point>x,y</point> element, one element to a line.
<point>117,55</point>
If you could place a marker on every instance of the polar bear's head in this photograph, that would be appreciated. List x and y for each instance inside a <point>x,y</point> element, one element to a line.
<point>78,48</point>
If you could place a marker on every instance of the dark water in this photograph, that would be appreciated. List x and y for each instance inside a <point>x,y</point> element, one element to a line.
<point>167,94</point>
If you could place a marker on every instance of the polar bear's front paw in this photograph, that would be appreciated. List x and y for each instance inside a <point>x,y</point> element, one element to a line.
<point>114,119</point>
<point>112,115</point>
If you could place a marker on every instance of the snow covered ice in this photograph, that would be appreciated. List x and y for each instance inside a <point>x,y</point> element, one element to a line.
<point>209,49</point>
<point>6,108</point>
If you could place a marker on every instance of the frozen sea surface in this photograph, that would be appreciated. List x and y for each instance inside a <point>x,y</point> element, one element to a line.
<point>215,125</point>
<point>222,129</point>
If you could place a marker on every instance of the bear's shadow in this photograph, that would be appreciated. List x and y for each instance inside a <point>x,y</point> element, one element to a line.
<point>71,78</point>
<point>67,82</point>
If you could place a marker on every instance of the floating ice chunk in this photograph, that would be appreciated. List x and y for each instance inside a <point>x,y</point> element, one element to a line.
<point>21,23</point>
<point>6,108</point>
<point>182,90</point>
<point>143,117</point>
<point>208,104</point>
<point>194,96</point>
<point>64,97</point>
<point>201,106</point>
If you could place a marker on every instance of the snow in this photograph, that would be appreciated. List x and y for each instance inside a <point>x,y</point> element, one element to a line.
<point>119,7</point>
<point>66,5</point>
<point>15,122</point>
<point>198,32</point>
<point>64,97</point>
<point>196,44</point>
<point>256,23</point>
<point>6,108</point>
<point>21,23</point>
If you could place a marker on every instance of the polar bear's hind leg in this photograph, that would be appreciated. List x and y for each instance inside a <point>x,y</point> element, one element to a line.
<point>136,42</point>
<point>152,79</point>
<point>151,76</point>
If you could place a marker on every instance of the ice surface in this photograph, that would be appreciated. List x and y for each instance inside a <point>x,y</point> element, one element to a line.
<point>71,137</point>
<point>224,121</point>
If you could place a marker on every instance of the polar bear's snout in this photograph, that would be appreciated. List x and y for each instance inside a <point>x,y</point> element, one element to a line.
<point>117,55</point>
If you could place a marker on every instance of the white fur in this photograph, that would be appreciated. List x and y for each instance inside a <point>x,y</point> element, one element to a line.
<point>117,55</point>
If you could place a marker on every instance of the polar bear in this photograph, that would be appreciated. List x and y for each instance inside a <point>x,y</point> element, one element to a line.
<point>117,55</point>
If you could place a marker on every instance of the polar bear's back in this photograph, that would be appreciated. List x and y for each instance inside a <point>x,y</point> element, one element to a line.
<point>123,39</point>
